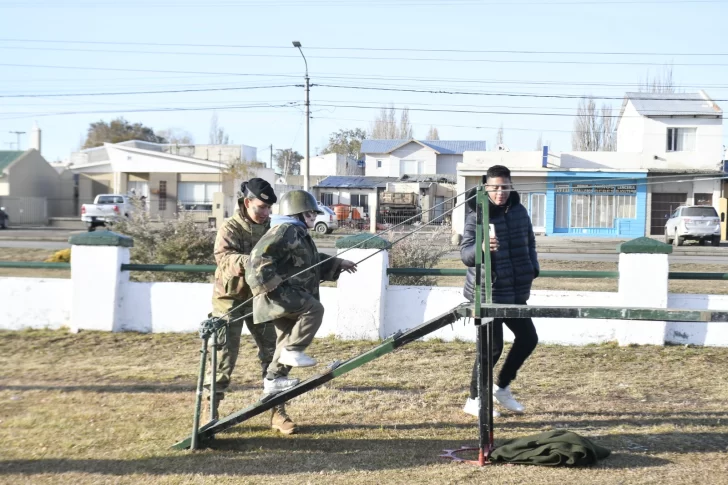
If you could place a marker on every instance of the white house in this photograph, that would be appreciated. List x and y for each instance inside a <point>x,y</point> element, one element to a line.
<point>167,175</point>
<point>395,158</point>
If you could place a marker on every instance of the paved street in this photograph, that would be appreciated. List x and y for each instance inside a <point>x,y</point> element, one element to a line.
<point>550,248</point>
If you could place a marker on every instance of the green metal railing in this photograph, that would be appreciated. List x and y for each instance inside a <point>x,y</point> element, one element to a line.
<point>462,272</point>
<point>210,268</point>
<point>34,265</point>
<point>172,268</point>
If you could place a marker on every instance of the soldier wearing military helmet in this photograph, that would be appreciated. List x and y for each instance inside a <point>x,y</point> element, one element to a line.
<point>288,300</point>
<point>234,241</point>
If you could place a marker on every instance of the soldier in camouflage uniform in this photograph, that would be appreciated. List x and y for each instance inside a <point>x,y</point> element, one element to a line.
<point>291,302</point>
<point>234,241</point>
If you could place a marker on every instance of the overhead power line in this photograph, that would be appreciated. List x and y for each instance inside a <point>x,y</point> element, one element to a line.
<point>369,58</point>
<point>54,95</point>
<point>370,49</point>
<point>672,97</point>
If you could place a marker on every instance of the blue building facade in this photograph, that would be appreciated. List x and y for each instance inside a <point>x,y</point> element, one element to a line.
<point>596,204</point>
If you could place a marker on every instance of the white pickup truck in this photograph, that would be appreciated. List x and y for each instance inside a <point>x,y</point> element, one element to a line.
<point>107,208</point>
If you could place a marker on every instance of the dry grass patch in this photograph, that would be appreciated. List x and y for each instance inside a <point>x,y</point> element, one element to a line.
<point>104,408</point>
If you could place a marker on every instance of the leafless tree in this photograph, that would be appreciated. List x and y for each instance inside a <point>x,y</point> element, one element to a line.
<point>385,125</point>
<point>405,127</point>
<point>593,128</point>
<point>432,134</point>
<point>539,142</point>
<point>662,82</point>
<point>218,136</point>
<point>499,135</point>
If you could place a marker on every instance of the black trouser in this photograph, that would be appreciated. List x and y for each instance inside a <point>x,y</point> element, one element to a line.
<point>523,344</point>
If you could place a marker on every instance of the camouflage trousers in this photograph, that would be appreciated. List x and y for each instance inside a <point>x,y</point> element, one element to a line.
<point>295,331</point>
<point>227,355</point>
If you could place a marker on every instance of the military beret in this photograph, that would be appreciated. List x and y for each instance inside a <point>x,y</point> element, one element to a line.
<point>260,188</point>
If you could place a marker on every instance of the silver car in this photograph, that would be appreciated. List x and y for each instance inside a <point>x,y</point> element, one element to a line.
<point>698,222</point>
<point>326,222</point>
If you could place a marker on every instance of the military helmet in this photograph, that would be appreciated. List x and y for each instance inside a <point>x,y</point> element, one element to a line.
<point>297,202</point>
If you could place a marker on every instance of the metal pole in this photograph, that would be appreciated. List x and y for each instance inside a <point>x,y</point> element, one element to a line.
<point>306,180</point>
<point>307,160</point>
<point>489,334</point>
<point>194,443</point>
<point>480,336</point>
<point>213,379</point>
<point>484,331</point>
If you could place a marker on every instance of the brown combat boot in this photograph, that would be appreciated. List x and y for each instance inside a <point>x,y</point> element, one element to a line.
<point>280,421</point>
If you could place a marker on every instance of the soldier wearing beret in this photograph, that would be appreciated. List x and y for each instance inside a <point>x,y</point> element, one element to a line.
<point>233,244</point>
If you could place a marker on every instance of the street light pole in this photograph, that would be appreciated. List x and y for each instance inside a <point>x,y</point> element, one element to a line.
<point>307,160</point>
<point>18,133</point>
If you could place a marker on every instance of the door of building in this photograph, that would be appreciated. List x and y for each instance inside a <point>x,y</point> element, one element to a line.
<point>662,206</point>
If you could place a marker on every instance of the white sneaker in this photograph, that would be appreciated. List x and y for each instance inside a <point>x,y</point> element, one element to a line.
<point>505,398</point>
<point>296,358</point>
<point>472,407</point>
<point>271,386</point>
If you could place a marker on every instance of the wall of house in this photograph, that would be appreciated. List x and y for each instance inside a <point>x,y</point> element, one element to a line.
<point>630,133</point>
<point>708,142</point>
<point>391,162</point>
<point>31,176</point>
<point>447,164</point>
<point>4,188</point>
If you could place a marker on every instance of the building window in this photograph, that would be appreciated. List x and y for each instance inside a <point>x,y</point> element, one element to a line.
<point>681,139</point>
<point>327,199</point>
<point>360,200</point>
<point>594,206</point>
<point>162,195</point>
<point>379,164</point>
<point>703,199</point>
<point>197,196</point>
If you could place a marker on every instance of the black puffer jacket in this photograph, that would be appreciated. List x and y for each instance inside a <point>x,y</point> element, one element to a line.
<point>515,264</point>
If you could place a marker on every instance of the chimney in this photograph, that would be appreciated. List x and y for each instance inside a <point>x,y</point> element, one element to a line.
<point>35,137</point>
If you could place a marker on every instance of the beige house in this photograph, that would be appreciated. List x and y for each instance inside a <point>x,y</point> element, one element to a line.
<point>166,176</point>
<point>31,190</point>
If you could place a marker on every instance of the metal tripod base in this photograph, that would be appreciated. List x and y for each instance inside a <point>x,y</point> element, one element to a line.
<point>483,458</point>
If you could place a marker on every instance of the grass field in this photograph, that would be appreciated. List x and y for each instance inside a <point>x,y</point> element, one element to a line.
<point>104,408</point>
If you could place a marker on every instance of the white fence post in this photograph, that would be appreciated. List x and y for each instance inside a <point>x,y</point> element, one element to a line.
<point>362,296</point>
<point>97,279</point>
<point>643,282</point>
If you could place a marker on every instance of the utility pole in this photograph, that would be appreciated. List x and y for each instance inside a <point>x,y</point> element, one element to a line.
<point>307,161</point>
<point>271,156</point>
<point>18,133</point>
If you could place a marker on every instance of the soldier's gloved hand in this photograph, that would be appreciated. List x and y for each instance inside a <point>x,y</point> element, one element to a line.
<point>348,266</point>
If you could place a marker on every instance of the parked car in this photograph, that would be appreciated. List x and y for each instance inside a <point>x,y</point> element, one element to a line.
<point>106,209</point>
<point>326,222</point>
<point>697,222</point>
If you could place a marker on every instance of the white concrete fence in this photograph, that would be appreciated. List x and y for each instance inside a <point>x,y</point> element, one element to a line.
<point>99,296</point>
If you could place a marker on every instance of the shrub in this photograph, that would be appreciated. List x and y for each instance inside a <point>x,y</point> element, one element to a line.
<point>175,241</point>
<point>420,250</point>
<point>62,256</point>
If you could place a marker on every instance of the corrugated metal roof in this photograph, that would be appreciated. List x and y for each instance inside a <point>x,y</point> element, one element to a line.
<point>354,182</point>
<point>442,178</point>
<point>673,104</point>
<point>7,157</point>
<point>444,147</point>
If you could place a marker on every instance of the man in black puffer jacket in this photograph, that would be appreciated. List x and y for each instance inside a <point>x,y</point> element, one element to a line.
<point>514,265</point>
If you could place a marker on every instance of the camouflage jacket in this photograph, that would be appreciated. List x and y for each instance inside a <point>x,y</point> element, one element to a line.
<point>234,241</point>
<point>285,250</point>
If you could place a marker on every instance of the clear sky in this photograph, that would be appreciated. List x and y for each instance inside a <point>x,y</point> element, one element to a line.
<point>109,47</point>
